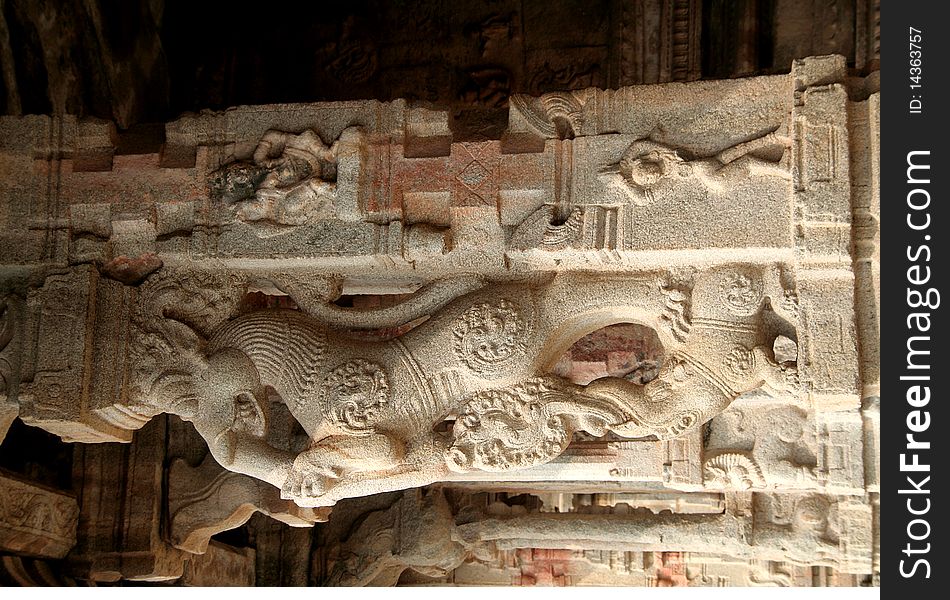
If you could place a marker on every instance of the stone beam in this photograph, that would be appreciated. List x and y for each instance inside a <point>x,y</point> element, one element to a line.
<point>35,521</point>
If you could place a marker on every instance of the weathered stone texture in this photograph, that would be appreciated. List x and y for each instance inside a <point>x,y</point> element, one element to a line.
<point>654,307</point>
<point>35,521</point>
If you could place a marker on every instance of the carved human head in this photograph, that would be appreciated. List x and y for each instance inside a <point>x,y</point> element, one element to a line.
<point>645,164</point>
<point>236,182</point>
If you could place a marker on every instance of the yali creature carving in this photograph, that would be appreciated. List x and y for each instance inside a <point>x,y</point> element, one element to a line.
<point>371,409</point>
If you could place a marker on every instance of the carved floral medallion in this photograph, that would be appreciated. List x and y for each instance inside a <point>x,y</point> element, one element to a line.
<point>489,335</point>
<point>738,364</point>
<point>740,293</point>
<point>353,394</point>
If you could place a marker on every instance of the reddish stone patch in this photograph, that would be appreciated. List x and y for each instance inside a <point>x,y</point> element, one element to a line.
<point>259,300</point>
<point>672,570</point>
<point>544,567</point>
<point>131,271</point>
<point>624,350</point>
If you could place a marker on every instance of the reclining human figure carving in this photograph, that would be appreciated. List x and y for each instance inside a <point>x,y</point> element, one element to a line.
<point>290,180</point>
<point>373,410</point>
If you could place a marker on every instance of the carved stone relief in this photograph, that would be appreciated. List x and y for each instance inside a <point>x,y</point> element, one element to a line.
<point>207,500</point>
<point>36,521</point>
<point>768,445</point>
<point>362,394</point>
<point>691,212</point>
<point>477,532</point>
<point>290,180</point>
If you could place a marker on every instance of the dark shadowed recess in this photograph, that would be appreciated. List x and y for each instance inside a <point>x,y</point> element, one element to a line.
<point>148,61</point>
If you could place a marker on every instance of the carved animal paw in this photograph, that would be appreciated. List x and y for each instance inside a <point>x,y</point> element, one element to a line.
<point>304,485</point>
<point>308,480</point>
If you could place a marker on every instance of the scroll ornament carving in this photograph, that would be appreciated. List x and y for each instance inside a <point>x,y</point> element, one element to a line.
<point>732,470</point>
<point>353,395</point>
<point>740,293</point>
<point>561,236</point>
<point>543,230</point>
<point>489,335</point>
<point>501,430</point>
<point>528,424</point>
<point>554,115</point>
<point>26,508</point>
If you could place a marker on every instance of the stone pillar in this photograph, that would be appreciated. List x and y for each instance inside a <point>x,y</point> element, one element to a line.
<point>75,365</point>
<point>282,554</point>
<point>122,511</point>
<point>221,566</point>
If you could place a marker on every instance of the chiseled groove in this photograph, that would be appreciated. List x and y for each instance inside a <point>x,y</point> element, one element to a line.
<point>286,347</point>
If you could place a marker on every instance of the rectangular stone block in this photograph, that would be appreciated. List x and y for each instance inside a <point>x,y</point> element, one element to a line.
<point>830,345</point>
<point>35,521</point>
